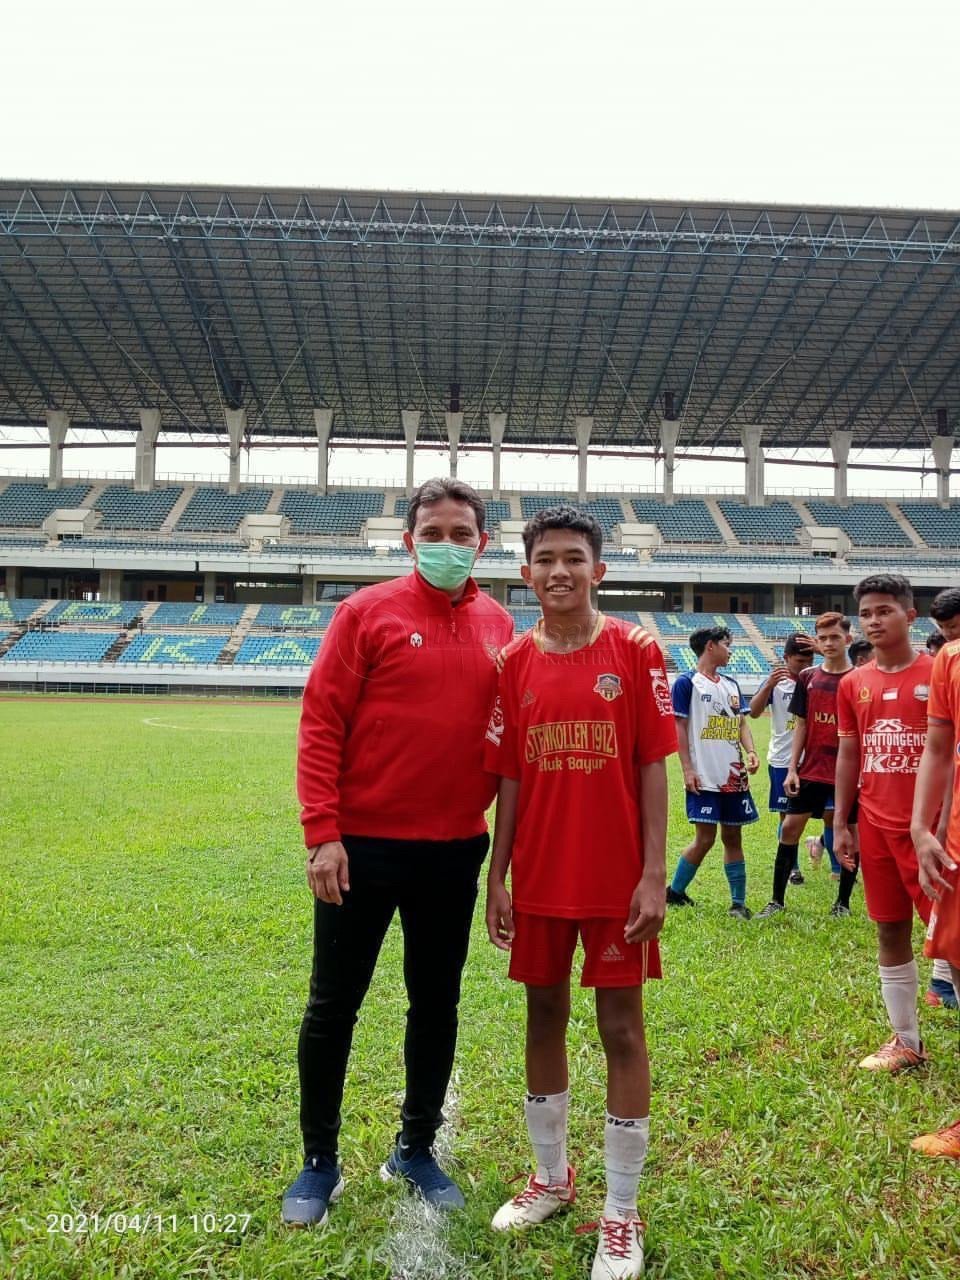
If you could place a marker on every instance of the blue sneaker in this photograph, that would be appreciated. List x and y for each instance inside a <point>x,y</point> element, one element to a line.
<point>417,1166</point>
<point>320,1184</point>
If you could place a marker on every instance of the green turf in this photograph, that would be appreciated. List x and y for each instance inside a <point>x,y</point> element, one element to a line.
<point>154,948</point>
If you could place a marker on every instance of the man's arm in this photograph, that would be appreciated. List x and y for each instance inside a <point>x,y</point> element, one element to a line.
<point>499,907</point>
<point>932,778</point>
<point>758,703</point>
<point>845,792</point>
<point>649,901</point>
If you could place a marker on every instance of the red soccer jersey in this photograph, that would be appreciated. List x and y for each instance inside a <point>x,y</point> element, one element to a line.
<point>943,937</point>
<point>815,699</point>
<point>887,713</point>
<point>574,728</point>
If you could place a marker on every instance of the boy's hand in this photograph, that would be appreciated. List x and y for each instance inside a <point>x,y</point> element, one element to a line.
<point>791,783</point>
<point>753,762</point>
<point>776,675</point>
<point>500,928</point>
<point>691,781</point>
<point>933,860</point>
<point>648,906</point>
<point>843,846</point>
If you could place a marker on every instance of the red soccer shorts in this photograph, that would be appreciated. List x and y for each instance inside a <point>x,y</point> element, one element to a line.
<point>891,881</point>
<point>543,947</point>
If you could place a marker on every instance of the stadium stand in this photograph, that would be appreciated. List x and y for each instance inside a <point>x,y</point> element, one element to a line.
<point>158,546</point>
<point>216,510</point>
<point>684,624</point>
<point>867,524</point>
<point>938,527</point>
<point>277,651</point>
<point>119,613</point>
<point>687,520</point>
<point>773,627</point>
<point>524,619</point>
<point>498,510</point>
<point>61,646</point>
<point>332,513</point>
<point>745,660</point>
<point>25,504</point>
<point>194,650</point>
<point>123,508</point>
<point>195,615</point>
<point>776,523</point>
<point>295,617</point>
<point>606,511</point>
<point>18,609</point>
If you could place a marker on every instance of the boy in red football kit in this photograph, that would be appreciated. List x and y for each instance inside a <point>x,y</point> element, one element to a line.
<point>882,713</point>
<point>579,736</point>
<point>938,866</point>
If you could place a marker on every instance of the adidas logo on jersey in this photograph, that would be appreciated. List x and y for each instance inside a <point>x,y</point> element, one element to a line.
<point>612,954</point>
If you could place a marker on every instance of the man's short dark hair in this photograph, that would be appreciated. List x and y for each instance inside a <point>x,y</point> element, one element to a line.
<point>798,642</point>
<point>860,649</point>
<point>562,517</point>
<point>946,604</point>
<point>885,584</point>
<point>935,641</point>
<point>441,487</point>
<point>702,637</point>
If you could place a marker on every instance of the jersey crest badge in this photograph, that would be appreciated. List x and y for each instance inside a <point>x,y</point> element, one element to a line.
<point>528,699</point>
<point>922,692</point>
<point>608,686</point>
<point>416,640</point>
<point>864,695</point>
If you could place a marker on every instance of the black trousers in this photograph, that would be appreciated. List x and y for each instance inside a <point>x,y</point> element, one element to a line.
<point>433,885</point>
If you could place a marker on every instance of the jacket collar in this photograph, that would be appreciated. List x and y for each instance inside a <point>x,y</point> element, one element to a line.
<point>439,598</point>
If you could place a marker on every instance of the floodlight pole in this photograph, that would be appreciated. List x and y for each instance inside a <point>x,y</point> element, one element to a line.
<point>58,424</point>
<point>942,447</point>
<point>236,426</point>
<point>583,426</point>
<point>323,421</point>
<point>454,427</point>
<point>669,434</point>
<point>145,460</point>
<point>498,426</point>
<point>840,442</point>
<point>411,425</point>
<point>751,437</point>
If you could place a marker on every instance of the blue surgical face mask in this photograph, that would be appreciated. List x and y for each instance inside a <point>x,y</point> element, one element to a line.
<point>445,565</point>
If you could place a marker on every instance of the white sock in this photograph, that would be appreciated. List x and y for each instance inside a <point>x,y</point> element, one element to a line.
<point>941,971</point>
<point>546,1115</point>
<point>625,1145</point>
<point>899,984</point>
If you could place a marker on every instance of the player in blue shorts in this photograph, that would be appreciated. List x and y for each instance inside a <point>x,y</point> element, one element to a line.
<point>714,736</point>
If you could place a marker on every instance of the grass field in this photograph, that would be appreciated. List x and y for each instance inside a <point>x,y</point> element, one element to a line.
<point>154,952</point>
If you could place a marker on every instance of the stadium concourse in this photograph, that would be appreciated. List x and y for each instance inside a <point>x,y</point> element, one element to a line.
<point>649,333</point>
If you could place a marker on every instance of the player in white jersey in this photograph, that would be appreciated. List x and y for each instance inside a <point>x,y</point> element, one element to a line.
<point>776,692</point>
<point>713,737</point>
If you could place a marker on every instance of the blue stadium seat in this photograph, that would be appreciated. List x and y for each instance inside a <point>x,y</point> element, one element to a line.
<point>195,615</point>
<point>776,523</point>
<point>684,624</point>
<point>745,660</point>
<point>119,613</point>
<point>61,646</point>
<point>774,627</point>
<point>524,619</point>
<point>938,528</point>
<point>23,503</point>
<point>123,508</point>
<point>199,650</point>
<point>277,651</point>
<point>296,617</point>
<point>866,524</point>
<point>215,509</point>
<point>497,511</point>
<point>18,610</point>
<point>343,512</point>
<point>606,511</point>
<point>687,520</point>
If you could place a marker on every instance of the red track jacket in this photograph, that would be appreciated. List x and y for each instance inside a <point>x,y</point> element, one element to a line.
<point>394,713</point>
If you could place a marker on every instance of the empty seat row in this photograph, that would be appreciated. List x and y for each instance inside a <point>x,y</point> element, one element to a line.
<point>200,650</point>
<point>123,508</point>
<point>336,513</point>
<point>61,646</point>
<point>684,624</point>
<point>18,610</point>
<point>777,522</point>
<point>295,617</point>
<point>686,520</point>
<point>23,503</point>
<point>119,613</point>
<point>217,509</point>
<point>745,659</point>
<point>195,615</point>
<point>867,524</point>
<point>277,651</point>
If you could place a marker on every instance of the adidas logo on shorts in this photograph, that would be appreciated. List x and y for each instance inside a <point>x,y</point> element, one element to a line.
<point>612,954</point>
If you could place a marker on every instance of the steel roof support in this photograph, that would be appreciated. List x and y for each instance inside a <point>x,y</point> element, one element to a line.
<point>145,460</point>
<point>323,422</point>
<point>58,424</point>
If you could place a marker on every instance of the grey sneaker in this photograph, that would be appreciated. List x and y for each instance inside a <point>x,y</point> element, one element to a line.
<point>771,909</point>
<point>838,909</point>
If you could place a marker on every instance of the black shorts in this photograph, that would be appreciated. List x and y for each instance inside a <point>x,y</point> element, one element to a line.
<point>812,798</point>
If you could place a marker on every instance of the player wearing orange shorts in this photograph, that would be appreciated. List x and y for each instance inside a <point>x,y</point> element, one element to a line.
<point>579,737</point>
<point>882,720</point>
<point>938,866</point>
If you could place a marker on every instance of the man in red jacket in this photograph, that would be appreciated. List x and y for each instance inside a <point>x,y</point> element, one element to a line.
<point>391,780</point>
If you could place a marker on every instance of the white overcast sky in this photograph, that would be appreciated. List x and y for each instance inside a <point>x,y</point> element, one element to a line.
<point>838,103</point>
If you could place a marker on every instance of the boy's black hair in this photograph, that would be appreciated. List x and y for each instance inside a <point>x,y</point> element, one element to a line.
<point>946,604</point>
<point>562,517</point>
<point>859,649</point>
<point>935,641</point>
<point>702,637</point>
<point>885,584</point>
<point>798,642</point>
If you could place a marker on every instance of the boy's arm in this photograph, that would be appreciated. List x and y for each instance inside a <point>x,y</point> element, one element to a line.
<point>932,778</point>
<point>758,703</point>
<point>845,792</point>
<point>791,784</point>
<point>499,907</point>
<point>649,902</point>
<point>746,741</point>
<point>690,779</point>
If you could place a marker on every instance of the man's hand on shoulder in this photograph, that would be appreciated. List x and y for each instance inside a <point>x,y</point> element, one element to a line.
<point>328,872</point>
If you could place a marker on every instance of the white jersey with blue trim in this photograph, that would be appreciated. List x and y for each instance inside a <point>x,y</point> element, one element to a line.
<point>713,709</point>
<point>783,724</point>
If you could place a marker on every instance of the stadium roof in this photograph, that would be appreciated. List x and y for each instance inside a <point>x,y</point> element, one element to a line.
<point>805,319</point>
